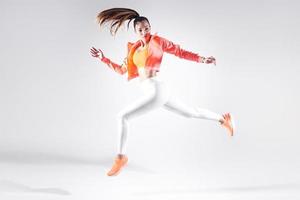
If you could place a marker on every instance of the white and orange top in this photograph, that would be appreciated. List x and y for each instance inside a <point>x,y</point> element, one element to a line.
<point>151,58</point>
<point>140,56</point>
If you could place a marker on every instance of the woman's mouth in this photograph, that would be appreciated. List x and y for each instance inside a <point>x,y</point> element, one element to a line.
<point>147,35</point>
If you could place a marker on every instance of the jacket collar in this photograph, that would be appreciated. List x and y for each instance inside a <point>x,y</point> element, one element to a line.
<point>151,38</point>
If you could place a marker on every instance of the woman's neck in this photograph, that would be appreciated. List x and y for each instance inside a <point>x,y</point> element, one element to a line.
<point>146,40</point>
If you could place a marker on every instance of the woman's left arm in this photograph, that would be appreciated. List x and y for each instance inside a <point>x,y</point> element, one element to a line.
<point>175,49</point>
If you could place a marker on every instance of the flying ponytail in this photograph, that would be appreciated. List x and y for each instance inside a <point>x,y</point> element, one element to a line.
<point>117,16</point>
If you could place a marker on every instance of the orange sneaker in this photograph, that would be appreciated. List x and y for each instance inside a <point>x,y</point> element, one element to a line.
<point>228,123</point>
<point>120,161</point>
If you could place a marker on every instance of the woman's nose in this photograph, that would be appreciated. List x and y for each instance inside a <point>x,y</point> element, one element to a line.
<point>145,33</point>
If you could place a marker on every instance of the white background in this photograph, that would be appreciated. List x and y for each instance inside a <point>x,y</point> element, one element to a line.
<point>59,104</point>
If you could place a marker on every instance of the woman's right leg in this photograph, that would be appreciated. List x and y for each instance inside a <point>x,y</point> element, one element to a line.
<point>153,98</point>
<point>141,106</point>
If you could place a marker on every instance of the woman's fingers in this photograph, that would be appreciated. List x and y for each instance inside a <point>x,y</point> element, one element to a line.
<point>97,51</point>
<point>94,54</point>
<point>94,49</point>
<point>213,60</point>
<point>210,60</point>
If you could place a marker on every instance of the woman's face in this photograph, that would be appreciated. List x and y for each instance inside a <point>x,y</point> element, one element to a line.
<point>143,29</point>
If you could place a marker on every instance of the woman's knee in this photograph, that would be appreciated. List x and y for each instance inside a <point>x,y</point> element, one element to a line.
<point>122,116</point>
<point>140,107</point>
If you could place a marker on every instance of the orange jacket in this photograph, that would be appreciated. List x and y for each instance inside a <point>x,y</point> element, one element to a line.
<point>156,49</point>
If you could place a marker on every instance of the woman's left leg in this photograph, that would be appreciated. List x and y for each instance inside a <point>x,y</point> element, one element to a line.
<point>182,109</point>
<point>191,112</point>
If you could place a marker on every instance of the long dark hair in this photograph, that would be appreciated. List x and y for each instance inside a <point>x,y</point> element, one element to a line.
<point>117,16</point>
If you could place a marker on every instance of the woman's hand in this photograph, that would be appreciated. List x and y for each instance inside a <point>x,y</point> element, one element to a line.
<point>209,60</point>
<point>97,53</point>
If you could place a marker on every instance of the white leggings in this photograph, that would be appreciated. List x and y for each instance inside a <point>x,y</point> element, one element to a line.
<point>156,94</point>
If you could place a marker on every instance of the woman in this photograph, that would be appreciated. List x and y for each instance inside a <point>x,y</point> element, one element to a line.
<point>143,61</point>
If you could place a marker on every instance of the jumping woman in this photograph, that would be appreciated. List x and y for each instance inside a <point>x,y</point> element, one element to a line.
<point>143,62</point>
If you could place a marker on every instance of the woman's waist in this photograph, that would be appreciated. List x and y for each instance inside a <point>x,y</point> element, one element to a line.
<point>147,74</point>
<point>147,71</point>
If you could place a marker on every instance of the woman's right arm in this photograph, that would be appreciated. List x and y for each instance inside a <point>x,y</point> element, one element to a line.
<point>121,69</point>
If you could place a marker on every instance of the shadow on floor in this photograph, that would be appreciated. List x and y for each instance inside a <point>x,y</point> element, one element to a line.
<point>14,187</point>
<point>48,158</point>
<point>241,189</point>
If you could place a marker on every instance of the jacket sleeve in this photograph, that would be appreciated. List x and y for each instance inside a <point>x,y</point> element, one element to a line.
<point>170,47</point>
<point>121,69</point>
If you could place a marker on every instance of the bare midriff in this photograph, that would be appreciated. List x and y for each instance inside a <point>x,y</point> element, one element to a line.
<point>145,73</point>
